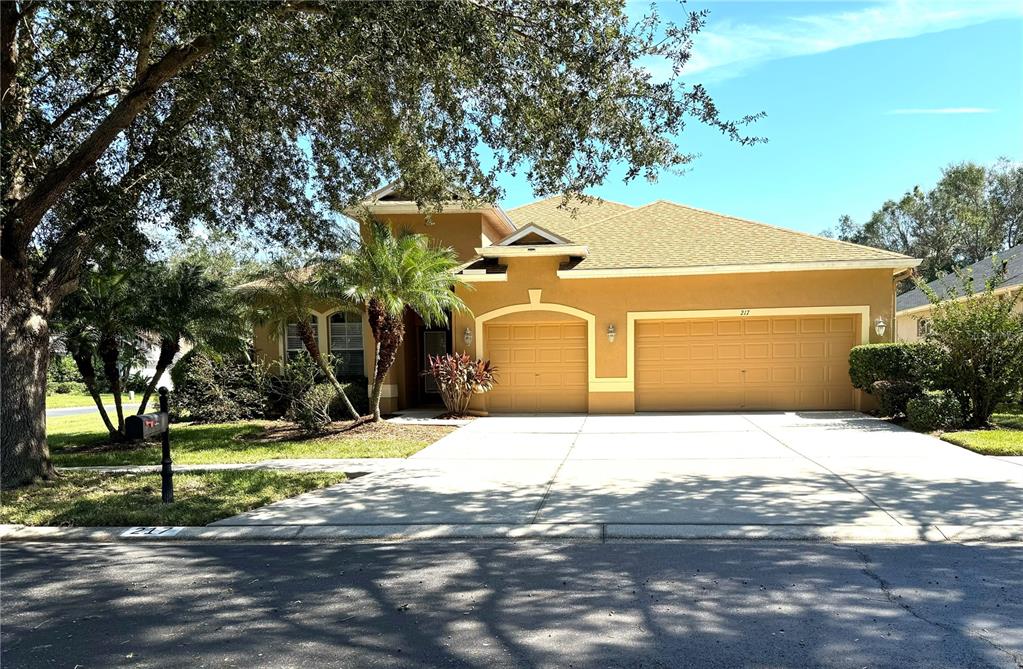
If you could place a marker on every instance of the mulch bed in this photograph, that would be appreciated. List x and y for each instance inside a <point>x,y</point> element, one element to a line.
<point>278,432</point>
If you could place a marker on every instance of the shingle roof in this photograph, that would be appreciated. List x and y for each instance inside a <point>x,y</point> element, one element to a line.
<point>667,235</point>
<point>550,215</point>
<point>982,270</point>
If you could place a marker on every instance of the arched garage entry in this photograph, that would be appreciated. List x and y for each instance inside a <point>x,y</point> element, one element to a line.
<point>541,361</point>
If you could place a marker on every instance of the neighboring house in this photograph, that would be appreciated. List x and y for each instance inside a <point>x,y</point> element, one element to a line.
<point>606,308</point>
<point>913,309</point>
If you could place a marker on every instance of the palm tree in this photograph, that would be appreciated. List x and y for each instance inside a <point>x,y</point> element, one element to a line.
<point>186,304</point>
<point>288,295</point>
<point>99,321</point>
<point>390,273</point>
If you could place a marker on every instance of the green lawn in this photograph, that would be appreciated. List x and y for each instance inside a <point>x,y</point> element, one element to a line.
<point>1006,438</point>
<point>82,441</point>
<point>67,400</point>
<point>92,499</point>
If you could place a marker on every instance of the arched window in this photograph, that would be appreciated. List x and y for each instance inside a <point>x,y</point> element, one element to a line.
<point>923,326</point>
<point>346,344</point>
<point>293,344</point>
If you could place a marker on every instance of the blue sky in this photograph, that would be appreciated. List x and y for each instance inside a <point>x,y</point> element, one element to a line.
<point>863,101</point>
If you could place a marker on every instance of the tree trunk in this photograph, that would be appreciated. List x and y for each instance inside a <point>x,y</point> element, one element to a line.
<point>25,349</point>
<point>388,331</point>
<point>109,352</point>
<point>305,331</point>
<point>82,354</point>
<point>168,349</point>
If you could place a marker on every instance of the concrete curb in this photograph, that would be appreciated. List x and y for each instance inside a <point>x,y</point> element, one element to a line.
<point>349,465</point>
<point>590,532</point>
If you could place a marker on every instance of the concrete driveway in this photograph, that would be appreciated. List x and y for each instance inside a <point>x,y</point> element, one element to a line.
<point>648,471</point>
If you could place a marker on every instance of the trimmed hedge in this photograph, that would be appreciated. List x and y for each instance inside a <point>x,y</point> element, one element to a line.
<point>894,362</point>
<point>936,410</point>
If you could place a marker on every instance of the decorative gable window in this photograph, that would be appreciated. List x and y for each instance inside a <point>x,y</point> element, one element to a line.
<point>346,344</point>
<point>923,327</point>
<point>293,344</point>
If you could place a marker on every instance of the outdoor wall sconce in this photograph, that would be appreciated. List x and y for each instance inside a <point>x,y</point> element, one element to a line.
<point>611,332</point>
<point>880,326</point>
<point>467,337</point>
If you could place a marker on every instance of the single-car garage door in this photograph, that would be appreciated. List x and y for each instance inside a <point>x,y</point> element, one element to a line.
<point>541,365</point>
<point>784,362</point>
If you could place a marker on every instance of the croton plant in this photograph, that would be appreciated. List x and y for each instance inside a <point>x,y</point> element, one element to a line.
<point>459,377</point>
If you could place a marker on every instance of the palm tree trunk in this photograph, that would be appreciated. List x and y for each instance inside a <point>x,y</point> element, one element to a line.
<point>388,331</point>
<point>82,354</point>
<point>306,333</point>
<point>168,349</point>
<point>109,351</point>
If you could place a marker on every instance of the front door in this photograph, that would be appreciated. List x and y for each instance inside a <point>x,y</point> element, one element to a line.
<point>435,342</point>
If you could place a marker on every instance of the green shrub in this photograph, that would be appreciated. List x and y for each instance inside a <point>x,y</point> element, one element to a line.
<point>211,390</point>
<point>978,345</point>
<point>311,410</point>
<point>62,368</point>
<point>357,390</point>
<point>297,392</point>
<point>897,362</point>
<point>893,396</point>
<point>935,410</point>
<point>136,381</point>
<point>67,388</point>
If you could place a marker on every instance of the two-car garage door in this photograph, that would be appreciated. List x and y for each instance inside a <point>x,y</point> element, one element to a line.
<point>785,362</point>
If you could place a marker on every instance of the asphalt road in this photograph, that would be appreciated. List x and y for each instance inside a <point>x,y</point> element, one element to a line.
<point>503,605</point>
<point>78,411</point>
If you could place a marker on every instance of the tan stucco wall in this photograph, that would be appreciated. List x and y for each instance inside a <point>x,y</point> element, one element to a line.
<point>610,301</point>
<point>464,232</point>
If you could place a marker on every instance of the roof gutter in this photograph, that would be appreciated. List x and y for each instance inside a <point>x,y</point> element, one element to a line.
<point>886,263</point>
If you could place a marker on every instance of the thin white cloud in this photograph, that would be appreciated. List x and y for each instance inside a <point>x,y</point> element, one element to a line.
<point>944,110</point>
<point>727,48</point>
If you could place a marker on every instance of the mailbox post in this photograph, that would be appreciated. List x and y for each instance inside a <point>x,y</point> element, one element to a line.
<point>166,473</point>
<point>150,425</point>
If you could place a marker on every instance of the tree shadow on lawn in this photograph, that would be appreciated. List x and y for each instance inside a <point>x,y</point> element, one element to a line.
<point>525,604</point>
<point>188,437</point>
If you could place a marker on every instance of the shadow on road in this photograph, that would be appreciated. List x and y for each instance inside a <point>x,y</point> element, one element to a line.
<point>487,605</point>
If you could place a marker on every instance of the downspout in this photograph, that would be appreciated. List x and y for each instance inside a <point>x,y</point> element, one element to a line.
<point>896,278</point>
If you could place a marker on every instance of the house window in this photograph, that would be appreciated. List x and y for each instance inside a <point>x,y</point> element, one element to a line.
<point>923,327</point>
<point>346,344</point>
<point>293,344</point>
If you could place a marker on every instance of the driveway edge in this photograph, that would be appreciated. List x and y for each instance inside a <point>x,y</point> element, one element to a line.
<point>585,532</point>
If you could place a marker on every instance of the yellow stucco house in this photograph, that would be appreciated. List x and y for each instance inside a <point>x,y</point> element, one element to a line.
<point>618,309</point>
<point>913,309</point>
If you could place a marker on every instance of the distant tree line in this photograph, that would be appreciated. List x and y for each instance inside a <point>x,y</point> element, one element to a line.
<point>971,212</point>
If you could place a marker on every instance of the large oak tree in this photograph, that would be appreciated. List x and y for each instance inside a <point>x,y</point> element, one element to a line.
<point>265,117</point>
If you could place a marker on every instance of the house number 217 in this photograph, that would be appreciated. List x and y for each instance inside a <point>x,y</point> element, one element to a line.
<point>744,312</point>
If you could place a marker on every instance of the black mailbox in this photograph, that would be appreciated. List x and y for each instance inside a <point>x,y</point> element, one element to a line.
<point>145,426</point>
